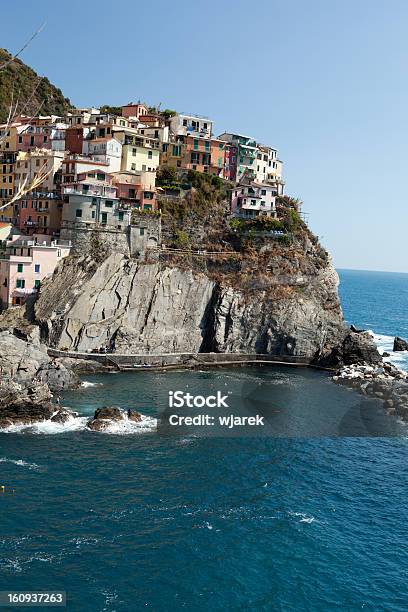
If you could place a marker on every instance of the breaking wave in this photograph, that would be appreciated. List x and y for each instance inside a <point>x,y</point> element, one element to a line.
<point>85,384</point>
<point>78,423</point>
<point>386,343</point>
<point>20,462</point>
<point>126,426</point>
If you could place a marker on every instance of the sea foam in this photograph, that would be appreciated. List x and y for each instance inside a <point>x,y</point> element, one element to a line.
<point>78,423</point>
<point>386,343</point>
<point>125,426</point>
<point>85,384</point>
<point>20,462</point>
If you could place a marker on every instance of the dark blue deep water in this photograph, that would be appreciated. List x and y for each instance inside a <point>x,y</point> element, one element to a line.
<point>311,516</point>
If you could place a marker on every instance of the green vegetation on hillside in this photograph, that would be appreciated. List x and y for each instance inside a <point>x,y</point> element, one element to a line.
<point>111,110</point>
<point>24,83</point>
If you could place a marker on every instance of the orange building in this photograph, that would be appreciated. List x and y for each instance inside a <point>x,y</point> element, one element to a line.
<point>200,154</point>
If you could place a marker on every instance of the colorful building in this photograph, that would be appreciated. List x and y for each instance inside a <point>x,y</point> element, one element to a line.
<point>191,125</point>
<point>247,150</point>
<point>26,263</point>
<point>193,153</point>
<point>249,201</point>
<point>230,163</point>
<point>254,162</point>
<point>10,135</point>
<point>137,111</point>
<point>92,200</point>
<point>136,190</point>
<point>39,210</point>
<point>107,150</point>
<point>7,168</point>
<point>139,153</point>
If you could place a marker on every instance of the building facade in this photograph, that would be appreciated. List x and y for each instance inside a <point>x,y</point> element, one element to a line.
<point>26,263</point>
<point>253,200</point>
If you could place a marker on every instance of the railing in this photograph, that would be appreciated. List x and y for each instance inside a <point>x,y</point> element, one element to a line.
<point>102,192</point>
<point>35,242</point>
<point>195,116</point>
<point>42,195</point>
<point>20,243</point>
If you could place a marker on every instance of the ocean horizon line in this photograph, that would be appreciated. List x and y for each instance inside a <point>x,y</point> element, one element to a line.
<point>341,269</point>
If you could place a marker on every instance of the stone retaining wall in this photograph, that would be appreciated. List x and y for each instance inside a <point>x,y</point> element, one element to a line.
<point>182,359</point>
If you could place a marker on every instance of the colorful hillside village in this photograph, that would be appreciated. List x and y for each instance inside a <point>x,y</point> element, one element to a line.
<point>91,169</point>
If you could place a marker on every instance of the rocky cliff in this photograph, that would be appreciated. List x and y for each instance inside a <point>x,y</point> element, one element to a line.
<point>132,307</point>
<point>260,285</point>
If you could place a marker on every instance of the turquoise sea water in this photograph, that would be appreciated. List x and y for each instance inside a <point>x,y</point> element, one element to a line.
<point>312,516</point>
<point>377,301</point>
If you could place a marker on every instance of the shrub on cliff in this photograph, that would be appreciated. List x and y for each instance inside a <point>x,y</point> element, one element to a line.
<point>286,201</point>
<point>181,240</point>
<point>291,220</point>
<point>166,175</point>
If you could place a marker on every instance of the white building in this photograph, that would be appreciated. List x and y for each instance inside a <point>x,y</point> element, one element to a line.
<point>191,125</point>
<point>79,116</point>
<point>249,201</point>
<point>107,150</point>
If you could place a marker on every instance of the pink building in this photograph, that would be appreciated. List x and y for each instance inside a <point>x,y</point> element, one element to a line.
<point>136,189</point>
<point>28,260</point>
<point>249,201</point>
<point>34,137</point>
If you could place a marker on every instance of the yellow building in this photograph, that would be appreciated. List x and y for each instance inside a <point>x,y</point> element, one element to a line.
<point>7,167</point>
<point>9,137</point>
<point>139,153</point>
<point>39,210</point>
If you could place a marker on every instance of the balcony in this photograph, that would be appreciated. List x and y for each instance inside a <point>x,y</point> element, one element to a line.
<point>42,195</point>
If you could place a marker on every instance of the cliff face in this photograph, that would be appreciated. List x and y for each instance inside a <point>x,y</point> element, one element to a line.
<point>134,307</point>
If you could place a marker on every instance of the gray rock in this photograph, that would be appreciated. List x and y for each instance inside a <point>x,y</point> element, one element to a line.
<point>134,308</point>
<point>109,412</point>
<point>356,330</point>
<point>400,344</point>
<point>28,378</point>
<point>104,417</point>
<point>24,404</point>
<point>63,415</point>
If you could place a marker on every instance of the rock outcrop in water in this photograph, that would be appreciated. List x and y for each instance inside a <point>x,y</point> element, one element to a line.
<point>105,418</point>
<point>400,344</point>
<point>29,379</point>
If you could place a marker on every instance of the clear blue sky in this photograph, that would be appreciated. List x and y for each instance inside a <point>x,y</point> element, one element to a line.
<point>324,81</point>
